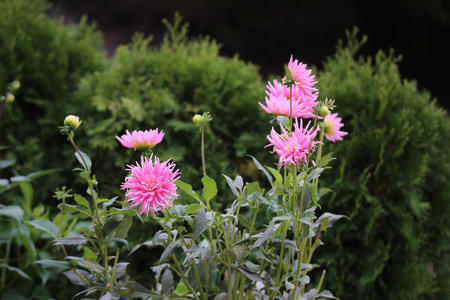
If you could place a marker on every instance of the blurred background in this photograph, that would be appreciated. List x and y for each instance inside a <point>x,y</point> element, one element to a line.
<point>266,33</point>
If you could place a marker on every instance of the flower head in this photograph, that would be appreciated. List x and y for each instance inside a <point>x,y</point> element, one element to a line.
<point>281,105</point>
<point>302,77</point>
<point>302,103</point>
<point>332,124</point>
<point>141,140</point>
<point>73,122</point>
<point>151,185</point>
<point>293,148</point>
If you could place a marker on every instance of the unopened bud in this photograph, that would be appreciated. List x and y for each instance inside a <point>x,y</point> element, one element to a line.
<point>197,119</point>
<point>15,85</point>
<point>72,121</point>
<point>324,111</point>
<point>9,98</point>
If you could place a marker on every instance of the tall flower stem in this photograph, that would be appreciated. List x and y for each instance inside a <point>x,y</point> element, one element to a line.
<point>319,152</point>
<point>103,249</point>
<point>203,149</point>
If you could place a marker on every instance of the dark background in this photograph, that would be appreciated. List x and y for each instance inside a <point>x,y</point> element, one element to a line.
<point>268,32</point>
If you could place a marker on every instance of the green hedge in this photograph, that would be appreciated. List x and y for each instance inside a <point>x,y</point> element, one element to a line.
<point>49,58</point>
<point>162,87</point>
<point>391,179</point>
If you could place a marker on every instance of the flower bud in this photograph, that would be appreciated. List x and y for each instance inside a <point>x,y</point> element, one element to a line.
<point>9,98</point>
<point>15,85</point>
<point>197,119</point>
<point>72,121</point>
<point>324,111</point>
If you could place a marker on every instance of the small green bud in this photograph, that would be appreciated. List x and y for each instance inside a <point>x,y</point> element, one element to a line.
<point>15,85</point>
<point>72,121</point>
<point>197,119</point>
<point>9,98</point>
<point>324,111</point>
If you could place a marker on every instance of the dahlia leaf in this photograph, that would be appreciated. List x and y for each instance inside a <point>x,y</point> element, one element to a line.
<point>231,185</point>
<point>187,188</point>
<point>84,160</point>
<point>209,187</point>
<point>260,167</point>
<point>45,226</point>
<point>200,223</point>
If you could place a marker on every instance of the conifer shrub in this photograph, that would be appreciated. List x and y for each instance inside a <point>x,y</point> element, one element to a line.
<point>48,57</point>
<point>148,87</point>
<point>393,179</point>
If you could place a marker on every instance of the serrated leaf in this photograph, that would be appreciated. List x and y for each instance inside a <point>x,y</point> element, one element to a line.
<point>45,226</point>
<point>71,240</point>
<point>84,160</point>
<point>209,187</point>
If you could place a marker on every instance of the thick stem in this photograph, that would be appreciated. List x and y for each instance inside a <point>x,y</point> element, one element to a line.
<point>183,278</point>
<point>280,262</point>
<point>113,276</point>
<point>203,150</point>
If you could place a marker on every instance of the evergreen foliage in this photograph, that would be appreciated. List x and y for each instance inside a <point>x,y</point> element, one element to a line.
<point>393,182</point>
<point>148,87</point>
<point>48,58</point>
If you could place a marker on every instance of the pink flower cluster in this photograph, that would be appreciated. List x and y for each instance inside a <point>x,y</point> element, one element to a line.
<point>150,184</point>
<point>304,95</point>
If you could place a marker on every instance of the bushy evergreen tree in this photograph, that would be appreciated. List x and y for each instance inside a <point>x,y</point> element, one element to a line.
<point>392,182</point>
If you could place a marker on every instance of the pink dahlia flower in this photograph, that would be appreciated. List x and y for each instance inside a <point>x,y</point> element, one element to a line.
<point>141,140</point>
<point>293,148</point>
<point>306,100</point>
<point>281,105</point>
<point>332,124</point>
<point>151,185</point>
<point>302,76</point>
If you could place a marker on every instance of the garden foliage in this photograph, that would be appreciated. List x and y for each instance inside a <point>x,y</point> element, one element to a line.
<point>48,57</point>
<point>164,86</point>
<point>392,180</point>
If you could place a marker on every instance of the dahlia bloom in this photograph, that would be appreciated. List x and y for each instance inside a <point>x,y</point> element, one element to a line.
<point>293,148</point>
<point>302,76</point>
<point>332,124</point>
<point>141,140</point>
<point>151,185</point>
<point>281,105</point>
<point>72,121</point>
<point>305,100</point>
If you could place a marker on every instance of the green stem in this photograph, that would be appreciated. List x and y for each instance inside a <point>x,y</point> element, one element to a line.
<point>183,278</point>
<point>8,249</point>
<point>113,277</point>
<point>61,216</point>
<point>81,277</point>
<point>197,278</point>
<point>280,261</point>
<point>203,150</point>
<point>319,153</point>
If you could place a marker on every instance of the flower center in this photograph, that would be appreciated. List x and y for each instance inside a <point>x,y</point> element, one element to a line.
<point>150,184</point>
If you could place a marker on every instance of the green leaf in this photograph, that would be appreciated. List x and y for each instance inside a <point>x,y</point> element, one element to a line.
<point>124,226</point>
<point>86,159</point>
<point>167,282</point>
<point>231,185</point>
<point>209,187</point>
<point>70,209</point>
<point>181,288</point>
<point>260,167</point>
<point>56,266</point>
<point>239,183</point>
<point>12,211</point>
<point>24,237</point>
<point>253,187</point>
<point>45,226</point>
<point>15,270</point>
<point>27,191</point>
<point>200,223</point>
<point>277,175</point>
<point>314,174</point>
<point>169,250</point>
<point>93,265</point>
<point>187,188</point>
<point>41,173</point>
<point>71,240</point>
<point>244,221</point>
<point>250,275</point>
<point>6,163</point>
<point>193,208</point>
<point>82,201</point>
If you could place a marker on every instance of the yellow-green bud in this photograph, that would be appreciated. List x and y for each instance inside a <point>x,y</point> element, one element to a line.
<point>324,111</point>
<point>15,85</point>
<point>197,119</point>
<point>72,121</point>
<point>9,98</point>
